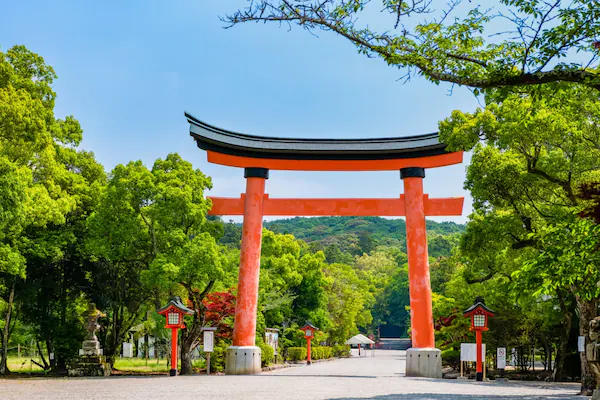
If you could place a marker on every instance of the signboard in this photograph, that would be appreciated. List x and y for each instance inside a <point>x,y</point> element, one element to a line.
<point>272,338</point>
<point>501,357</point>
<point>581,344</point>
<point>208,341</point>
<point>468,351</point>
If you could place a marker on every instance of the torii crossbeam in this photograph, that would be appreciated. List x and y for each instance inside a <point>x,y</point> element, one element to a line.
<point>258,154</point>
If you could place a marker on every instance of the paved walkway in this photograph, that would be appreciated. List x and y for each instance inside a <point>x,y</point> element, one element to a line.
<point>380,377</point>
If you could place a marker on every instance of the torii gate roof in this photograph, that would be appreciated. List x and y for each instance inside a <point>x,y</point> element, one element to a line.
<point>242,150</point>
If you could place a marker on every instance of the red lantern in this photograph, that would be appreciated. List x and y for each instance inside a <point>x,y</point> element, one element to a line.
<point>309,332</point>
<point>479,314</point>
<point>174,312</point>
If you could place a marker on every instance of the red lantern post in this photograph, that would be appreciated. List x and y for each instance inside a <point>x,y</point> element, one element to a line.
<point>309,332</point>
<point>174,312</point>
<point>479,314</point>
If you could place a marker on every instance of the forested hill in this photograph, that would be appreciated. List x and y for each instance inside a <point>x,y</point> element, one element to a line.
<point>362,234</point>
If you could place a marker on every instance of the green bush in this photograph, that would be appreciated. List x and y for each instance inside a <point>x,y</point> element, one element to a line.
<point>451,358</point>
<point>341,350</point>
<point>296,353</point>
<point>217,358</point>
<point>327,352</point>
<point>267,354</point>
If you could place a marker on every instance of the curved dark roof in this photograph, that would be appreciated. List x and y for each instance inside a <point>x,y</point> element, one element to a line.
<point>209,137</point>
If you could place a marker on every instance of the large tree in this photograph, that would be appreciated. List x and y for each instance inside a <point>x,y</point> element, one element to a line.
<point>34,180</point>
<point>532,151</point>
<point>506,43</point>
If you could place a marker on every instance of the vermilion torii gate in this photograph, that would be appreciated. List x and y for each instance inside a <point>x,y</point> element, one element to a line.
<point>258,154</point>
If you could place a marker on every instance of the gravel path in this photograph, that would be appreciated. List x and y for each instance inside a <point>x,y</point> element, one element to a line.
<point>379,377</point>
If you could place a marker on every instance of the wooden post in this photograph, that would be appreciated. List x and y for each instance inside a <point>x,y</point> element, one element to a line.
<point>308,352</point>
<point>173,371</point>
<point>479,369</point>
<point>207,363</point>
<point>461,369</point>
<point>484,367</point>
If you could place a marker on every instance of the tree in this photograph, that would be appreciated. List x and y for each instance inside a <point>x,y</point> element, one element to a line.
<point>121,243</point>
<point>513,43</point>
<point>348,300</point>
<point>184,243</point>
<point>58,265</point>
<point>570,260</point>
<point>531,153</point>
<point>33,179</point>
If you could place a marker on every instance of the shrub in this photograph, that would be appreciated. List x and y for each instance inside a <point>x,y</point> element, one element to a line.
<point>217,358</point>
<point>451,358</point>
<point>341,350</point>
<point>296,353</point>
<point>267,354</point>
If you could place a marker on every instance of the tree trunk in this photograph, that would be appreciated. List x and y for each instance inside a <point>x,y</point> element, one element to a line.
<point>186,358</point>
<point>563,341</point>
<point>590,377</point>
<point>4,356</point>
<point>189,337</point>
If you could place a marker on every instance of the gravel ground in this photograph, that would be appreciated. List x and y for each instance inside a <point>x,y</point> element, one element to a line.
<point>378,377</point>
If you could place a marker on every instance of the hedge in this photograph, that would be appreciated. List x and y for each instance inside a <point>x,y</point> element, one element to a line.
<point>296,353</point>
<point>341,350</point>
<point>451,357</point>
<point>267,354</point>
<point>317,352</point>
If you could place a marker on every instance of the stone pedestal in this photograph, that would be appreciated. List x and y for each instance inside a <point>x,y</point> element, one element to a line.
<point>243,360</point>
<point>426,363</point>
<point>89,366</point>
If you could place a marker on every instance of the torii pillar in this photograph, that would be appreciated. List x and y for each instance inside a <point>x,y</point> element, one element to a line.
<point>423,359</point>
<point>243,357</point>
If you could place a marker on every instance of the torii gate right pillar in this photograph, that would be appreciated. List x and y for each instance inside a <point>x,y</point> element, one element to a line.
<point>423,359</point>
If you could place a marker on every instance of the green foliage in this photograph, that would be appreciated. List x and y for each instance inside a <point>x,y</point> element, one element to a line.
<point>339,236</point>
<point>218,356</point>
<point>458,43</point>
<point>341,351</point>
<point>296,353</point>
<point>451,358</point>
<point>321,352</point>
<point>267,356</point>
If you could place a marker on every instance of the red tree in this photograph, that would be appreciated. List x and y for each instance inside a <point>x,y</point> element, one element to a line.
<point>219,307</point>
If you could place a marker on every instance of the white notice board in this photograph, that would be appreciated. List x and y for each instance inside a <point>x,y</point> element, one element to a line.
<point>208,341</point>
<point>581,344</point>
<point>501,357</point>
<point>468,351</point>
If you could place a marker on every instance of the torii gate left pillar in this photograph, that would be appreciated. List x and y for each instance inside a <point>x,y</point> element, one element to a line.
<point>243,357</point>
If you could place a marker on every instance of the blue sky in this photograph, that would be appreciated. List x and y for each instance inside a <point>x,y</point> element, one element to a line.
<point>128,70</point>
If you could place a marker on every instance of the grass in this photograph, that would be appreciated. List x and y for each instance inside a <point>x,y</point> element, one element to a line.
<point>23,365</point>
<point>151,365</point>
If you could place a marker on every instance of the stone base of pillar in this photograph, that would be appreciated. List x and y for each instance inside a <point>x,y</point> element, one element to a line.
<point>243,360</point>
<point>426,363</point>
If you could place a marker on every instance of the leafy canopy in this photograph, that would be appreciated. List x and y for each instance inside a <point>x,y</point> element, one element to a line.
<point>506,43</point>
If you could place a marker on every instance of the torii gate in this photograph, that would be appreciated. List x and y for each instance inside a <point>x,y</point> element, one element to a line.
<point>258,154</point>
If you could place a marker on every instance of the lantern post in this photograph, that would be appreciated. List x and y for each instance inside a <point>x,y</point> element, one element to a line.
<point>174,312</point>
<point>309,332</point>
<point>479,314</point>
